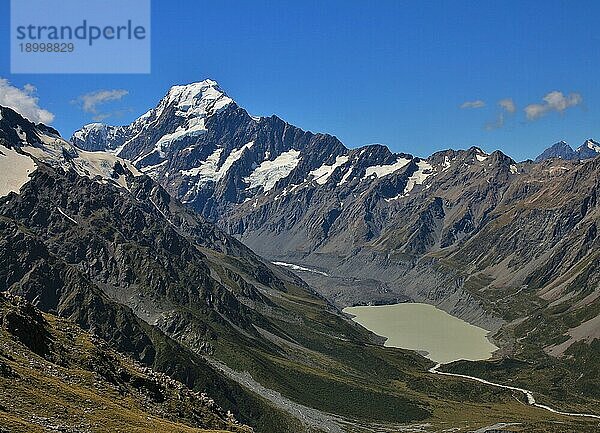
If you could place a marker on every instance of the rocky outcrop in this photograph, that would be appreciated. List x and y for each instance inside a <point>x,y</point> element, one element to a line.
<point>38,350</point>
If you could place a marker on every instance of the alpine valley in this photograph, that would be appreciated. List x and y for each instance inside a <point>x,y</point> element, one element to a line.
<point>187,272</point>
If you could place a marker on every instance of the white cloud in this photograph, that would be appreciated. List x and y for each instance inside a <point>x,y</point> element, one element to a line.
<point>553,101</point>
<point>498,123</point>
<point>473,104</point>
<point>101,116</point>
<point>507,105</point>
<point>90,101</point>
<point>23,102</point>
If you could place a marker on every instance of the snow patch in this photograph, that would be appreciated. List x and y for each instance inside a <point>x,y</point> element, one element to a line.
<point>346,176</point>
<point>288,190</point>
<point>22,136</point>
<point>446,165</point>
<point>193,128</point>
<point>300,268</point>
<point>384,170</point>
<point>424,170</point>
<point>151,168</point>
<point>268,173</point>
<point>322,174</point>
<point>234,156</point>
<point>15,169</point>
<point>66,216</point>
<point>162,213</point>
<point>102,164</point>
<point>592,145</point>
<point>209,170</point>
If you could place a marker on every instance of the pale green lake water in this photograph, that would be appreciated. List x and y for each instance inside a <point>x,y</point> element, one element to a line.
<point>425,328</point>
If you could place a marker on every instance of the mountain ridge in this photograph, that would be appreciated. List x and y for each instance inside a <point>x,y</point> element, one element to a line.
<point>380,227</point>
<point>260,150</point>
<point>127,260</point>
<point>154,271</point>
<point>588,150</point>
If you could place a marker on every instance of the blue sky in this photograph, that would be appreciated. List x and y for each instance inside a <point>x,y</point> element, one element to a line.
<point>392,72</point>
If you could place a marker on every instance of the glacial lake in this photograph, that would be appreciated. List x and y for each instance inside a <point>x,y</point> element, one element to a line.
<point>425,328</point>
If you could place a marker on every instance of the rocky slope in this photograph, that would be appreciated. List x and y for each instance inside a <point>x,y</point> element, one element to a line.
<point>93,387</point>
<point>464,230</point>
<point>273,184</point>
<point>41,271</point>
<point>112,251</point>
<point>86,235</point>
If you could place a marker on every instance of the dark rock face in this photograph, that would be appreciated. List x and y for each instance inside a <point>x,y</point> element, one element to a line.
<point>16,129</point>
<point>131,250</point>
<point>559,150</point>
<point>27,325</point>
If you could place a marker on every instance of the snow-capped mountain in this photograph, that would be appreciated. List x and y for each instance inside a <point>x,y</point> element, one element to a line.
<point>271,183</point>
<point>368,225</point>
<point>42,143</point>
<point>589,149</point>
<point>213,155</point>
<point>179,117</point>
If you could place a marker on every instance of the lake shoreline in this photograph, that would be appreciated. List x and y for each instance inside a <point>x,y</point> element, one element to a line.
<point>425,329</point>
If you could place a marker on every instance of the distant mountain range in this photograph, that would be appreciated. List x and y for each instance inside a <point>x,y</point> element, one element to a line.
<point>589,149</point>
<point>305,199</point>
<point>89,238</point>
<point>460,229</point>
<point>173,239</point>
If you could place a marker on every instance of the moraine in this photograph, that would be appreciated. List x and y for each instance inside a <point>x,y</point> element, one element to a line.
<point>425,328</point>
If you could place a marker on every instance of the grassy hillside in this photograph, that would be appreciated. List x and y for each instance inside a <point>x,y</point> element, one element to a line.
<point>54,376</point>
